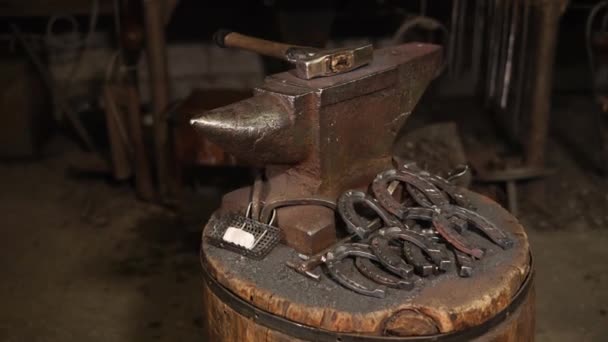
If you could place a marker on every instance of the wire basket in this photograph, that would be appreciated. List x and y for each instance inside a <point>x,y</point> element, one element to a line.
<point>266,236</point>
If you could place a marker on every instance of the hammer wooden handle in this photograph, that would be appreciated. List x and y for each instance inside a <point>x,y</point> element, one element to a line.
<point>225,38</point>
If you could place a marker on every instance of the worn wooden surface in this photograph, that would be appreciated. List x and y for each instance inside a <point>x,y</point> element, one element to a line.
<point>223,324</point>
<point>446,305</point>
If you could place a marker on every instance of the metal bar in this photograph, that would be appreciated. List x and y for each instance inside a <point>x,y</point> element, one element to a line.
<point>512,197</point>
<point>494,48</point>
<point>522,66</point>
<point>478,35</point>
<point>510,51</point>
<point>502,59</point>
<point>453,35</point>
<point>462,27</point>
<point>256,194</point>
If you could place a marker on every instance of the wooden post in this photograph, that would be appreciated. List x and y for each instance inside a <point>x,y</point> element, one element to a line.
<point>159,83</point>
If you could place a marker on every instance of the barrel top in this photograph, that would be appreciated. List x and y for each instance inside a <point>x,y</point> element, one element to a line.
<point>451,303</point>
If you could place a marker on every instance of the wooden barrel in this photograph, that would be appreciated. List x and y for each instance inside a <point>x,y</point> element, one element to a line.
<point>248,300</point>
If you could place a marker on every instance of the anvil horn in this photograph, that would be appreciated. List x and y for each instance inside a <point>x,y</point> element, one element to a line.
<point>257,130</point>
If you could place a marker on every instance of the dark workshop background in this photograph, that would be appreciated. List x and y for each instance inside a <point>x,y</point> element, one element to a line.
<point>101,216</point>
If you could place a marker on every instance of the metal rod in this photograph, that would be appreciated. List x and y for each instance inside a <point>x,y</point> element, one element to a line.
<point>510,51</point>
<point>512,197</point>
<point>502,59</point>
<point>462,26</point>
<point>478,35</point>
<point>522,67</point>
<point>453,39</point>
<point>256,194</point>
<point>494,48</point>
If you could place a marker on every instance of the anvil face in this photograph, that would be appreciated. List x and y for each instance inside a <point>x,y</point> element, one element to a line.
<point>320,137</point>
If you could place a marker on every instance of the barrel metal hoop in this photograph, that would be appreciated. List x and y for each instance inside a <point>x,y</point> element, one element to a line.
<point>308,333</point>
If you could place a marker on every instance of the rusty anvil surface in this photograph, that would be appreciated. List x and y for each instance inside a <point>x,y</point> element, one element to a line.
<point>320,137</point>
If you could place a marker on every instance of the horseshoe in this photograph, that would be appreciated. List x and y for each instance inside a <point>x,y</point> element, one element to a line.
<point>459,217</point>
<point>420,241</point>
<point>373,272</point>
<point>389,259</point>
<point>464,263</point>
<point>497,235</point>
<point>418,213</point>
<point>413,255</point>
<point>446,263</point>
<point>432,195</point>
<point>444,227</point>
<point>356,223</point>
<point>334,257</point>
<point>443,184</point>
<point>459,223</point>
<point>450,189</point>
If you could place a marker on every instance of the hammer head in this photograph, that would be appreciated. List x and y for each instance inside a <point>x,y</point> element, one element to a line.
<point>311,63</point>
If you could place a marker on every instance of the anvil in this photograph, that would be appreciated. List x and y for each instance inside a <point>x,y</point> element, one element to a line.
<point>317,138</point>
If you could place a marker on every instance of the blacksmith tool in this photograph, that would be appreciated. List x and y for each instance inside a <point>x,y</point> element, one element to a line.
<point>307,132</point>
<point>309,62</point>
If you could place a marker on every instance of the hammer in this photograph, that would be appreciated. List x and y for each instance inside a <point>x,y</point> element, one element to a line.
<point>309,62</point>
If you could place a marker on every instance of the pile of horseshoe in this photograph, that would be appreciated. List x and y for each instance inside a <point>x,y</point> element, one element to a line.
<point>397,237</point>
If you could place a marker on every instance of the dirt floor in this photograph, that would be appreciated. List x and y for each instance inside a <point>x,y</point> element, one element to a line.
<point>84,260</point>
<point>569,242</point>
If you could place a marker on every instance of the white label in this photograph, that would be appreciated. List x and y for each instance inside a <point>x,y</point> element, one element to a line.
<point>239,237</point>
